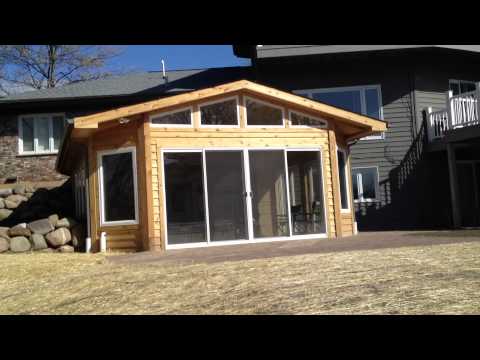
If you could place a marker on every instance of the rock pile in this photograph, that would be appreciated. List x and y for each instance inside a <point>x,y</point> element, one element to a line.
<point>46,235</point>
<point>10,199</point>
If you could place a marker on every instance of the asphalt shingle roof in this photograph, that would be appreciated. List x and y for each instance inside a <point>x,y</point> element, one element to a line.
<point>145,83</point>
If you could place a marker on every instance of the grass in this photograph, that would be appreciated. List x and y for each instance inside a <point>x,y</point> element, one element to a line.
<point>442,279</point>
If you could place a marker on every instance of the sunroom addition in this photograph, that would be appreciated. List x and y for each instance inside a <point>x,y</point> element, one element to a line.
<point>234,164</point>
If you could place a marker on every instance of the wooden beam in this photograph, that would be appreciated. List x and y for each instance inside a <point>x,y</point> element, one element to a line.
<point>332,145</point>
<point>454,193</point>
<point>93,195</point>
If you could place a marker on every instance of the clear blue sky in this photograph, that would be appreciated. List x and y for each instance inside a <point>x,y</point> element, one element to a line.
<point>148,57</point>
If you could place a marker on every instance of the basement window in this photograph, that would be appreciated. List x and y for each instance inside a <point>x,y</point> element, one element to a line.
<point>40,134</point>
<point>263,114</point>
<point>365,184</point>
<point>176,118</point>
<point>118,186</point>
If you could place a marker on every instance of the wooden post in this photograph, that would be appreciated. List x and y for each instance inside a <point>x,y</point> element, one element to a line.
<point>452,172</point>
<point>332,142</point>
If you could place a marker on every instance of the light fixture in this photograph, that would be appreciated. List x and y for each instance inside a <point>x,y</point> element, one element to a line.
<point>124,121</point>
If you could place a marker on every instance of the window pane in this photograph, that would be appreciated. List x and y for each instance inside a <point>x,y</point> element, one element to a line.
<point>185,198</point>
<point>27,134</point>
<point>43,133</point>
<point>342,179</point>
<point>373,105</point>
<point>303,120</point>
<point>455,88</point>
<point>355,185</point>
<point>369,180</point>
<point>223,113</point>
<point>58,124</point>
<point>118,187</point>
<point>177,118</point>
<point>261,114</point>
<point>466,87</point>
<point>348,100</point>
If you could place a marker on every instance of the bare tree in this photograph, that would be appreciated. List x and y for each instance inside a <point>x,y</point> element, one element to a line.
<point>47,66</point>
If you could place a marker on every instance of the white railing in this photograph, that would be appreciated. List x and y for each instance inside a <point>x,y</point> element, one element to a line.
<point>461,111</point>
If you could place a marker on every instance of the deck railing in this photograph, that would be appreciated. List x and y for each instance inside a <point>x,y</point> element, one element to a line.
<point>461,111</point>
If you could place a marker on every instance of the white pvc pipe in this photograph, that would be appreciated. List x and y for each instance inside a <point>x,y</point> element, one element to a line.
<point>103,241</point>
<point>88,244</point>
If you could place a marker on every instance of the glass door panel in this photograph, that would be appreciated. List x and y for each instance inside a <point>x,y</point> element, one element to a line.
<point>226,195</point>
<point>269,193</point>
<point>306,193</point>
<point>184,193</point>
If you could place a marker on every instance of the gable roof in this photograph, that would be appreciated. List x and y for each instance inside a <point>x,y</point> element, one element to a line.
<point>144,83</point>
<point>270,51</point>
<point>350,118</point>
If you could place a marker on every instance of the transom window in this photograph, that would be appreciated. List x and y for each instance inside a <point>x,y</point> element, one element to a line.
<point>260,113</point>
<point>461,86</point>
<point>118,187</point>
<point>342,178</point>
<point>40,134</point>
<point>302,120</point>
<point>365,100</point>
<point>176,118</point>
<point>365,184</point>
<point>220,113</point>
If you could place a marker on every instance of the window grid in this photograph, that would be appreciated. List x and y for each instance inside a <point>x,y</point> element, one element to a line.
<point>359,179</point>
<point>36,124</point>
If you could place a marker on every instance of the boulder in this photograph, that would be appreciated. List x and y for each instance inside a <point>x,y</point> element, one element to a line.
<point>29,188</point>
<point>19,230</point>
<point>59,237</point>
<point>2,203</point>
<point>4,213</point>
<point>42,226</point>
<point>4,232</point>
<point>65,222</point>
<point>78,236</point>
<point>66,249</point>
<point>38,242</point>
<point>5,192</point>
<point>12,201</point>
<point>19,189</point>
<point>4,244</point>
<point>19,244</point>
<point>53,219</point>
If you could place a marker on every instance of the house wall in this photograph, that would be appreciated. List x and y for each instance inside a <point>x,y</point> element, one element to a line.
<point>194,138</point>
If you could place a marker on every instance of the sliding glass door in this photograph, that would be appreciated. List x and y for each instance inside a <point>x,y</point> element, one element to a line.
<point>213,196</point>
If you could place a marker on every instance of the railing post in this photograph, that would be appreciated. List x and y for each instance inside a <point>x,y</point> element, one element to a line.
<point>430,127</point>
<point>450,114</point>
<point>477,99</point>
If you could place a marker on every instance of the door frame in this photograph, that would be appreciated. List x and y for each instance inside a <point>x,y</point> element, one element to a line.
<point>246,173</point>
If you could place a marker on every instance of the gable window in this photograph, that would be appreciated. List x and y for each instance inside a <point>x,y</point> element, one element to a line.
<point>220,113</point>
<point>365,184</point>
<point>342,178</point>
<point>40,134</point>
<point>260,113</point>
<point>177,118</point>
<point>118,187</point>
<point>365,100</point>
<point>302,120</point>
<point>461,86</point>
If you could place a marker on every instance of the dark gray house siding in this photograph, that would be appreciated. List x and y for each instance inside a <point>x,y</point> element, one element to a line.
<point>410,178</point>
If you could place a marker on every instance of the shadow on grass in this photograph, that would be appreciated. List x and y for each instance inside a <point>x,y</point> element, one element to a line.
<point>447,233</point>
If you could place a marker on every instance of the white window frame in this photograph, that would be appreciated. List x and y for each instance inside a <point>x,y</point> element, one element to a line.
<point>160,114</point>
<point>35,151</point>
<point>266,103</point>
<point>323,125</point>
<point>458,82</point>
<point>200,106</point>
<point>347,184</point>
<point>361,199</point>
<point>100,154</point>
<point>363,103</point>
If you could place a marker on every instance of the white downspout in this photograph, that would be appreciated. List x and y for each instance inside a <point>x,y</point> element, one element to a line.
<point>103,241</point>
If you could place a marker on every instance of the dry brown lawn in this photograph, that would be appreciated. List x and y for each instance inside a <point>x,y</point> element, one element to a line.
<point>442,279</point>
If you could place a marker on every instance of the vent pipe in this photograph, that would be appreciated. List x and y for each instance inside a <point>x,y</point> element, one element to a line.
<point>163,71</point>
